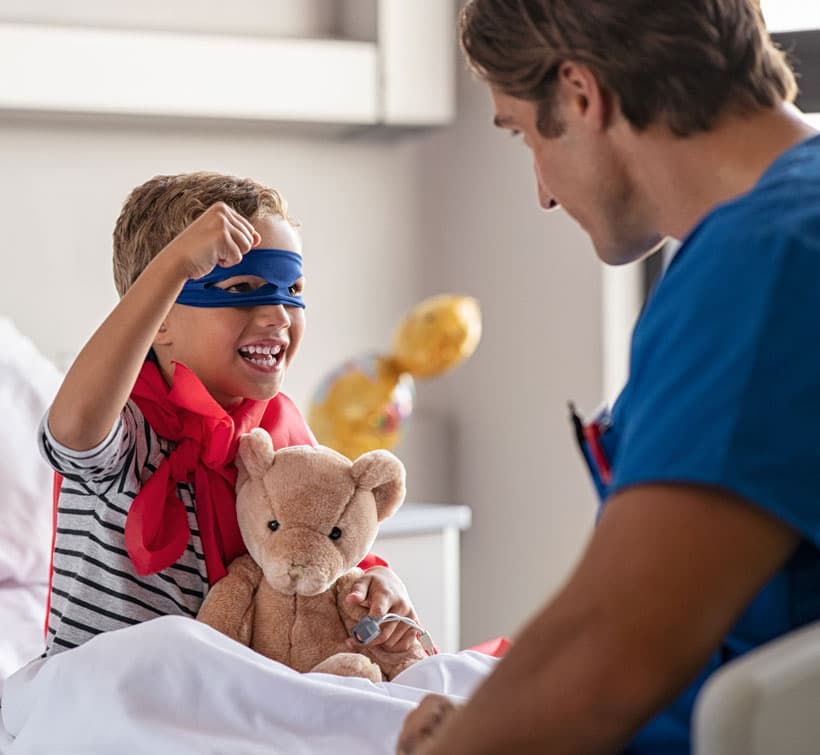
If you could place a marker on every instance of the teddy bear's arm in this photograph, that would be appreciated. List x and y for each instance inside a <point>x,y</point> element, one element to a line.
<point>229,605</point>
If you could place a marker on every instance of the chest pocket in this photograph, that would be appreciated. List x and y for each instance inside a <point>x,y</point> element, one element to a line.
<point>597,441</point>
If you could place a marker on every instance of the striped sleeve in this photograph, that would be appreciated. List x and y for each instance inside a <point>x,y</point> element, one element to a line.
<point>130,448</point>
<point>95,587</point>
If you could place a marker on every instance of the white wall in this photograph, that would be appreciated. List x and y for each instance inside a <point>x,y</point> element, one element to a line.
<point>386,222</point>
<point>64,184</point>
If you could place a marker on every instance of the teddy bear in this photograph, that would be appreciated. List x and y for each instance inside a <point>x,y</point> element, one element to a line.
<point>308,516</point>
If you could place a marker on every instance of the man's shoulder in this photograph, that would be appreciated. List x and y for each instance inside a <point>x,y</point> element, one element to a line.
<point>743,270</point>
<point>783,206</point>
<point>772,228</point>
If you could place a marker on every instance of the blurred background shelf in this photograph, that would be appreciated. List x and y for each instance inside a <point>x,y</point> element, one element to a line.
<point>357,62</point>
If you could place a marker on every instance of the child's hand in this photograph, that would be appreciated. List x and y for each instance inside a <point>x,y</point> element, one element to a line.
<point>220,236</point>
<point>381,591</point>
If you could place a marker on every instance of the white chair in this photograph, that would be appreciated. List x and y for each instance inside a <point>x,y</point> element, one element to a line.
<point>765,703</point>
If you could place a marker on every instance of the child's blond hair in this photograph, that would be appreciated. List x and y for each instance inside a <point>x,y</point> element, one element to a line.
<point>161,208</point>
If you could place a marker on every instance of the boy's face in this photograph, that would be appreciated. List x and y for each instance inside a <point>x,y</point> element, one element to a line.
<point>237,352</point>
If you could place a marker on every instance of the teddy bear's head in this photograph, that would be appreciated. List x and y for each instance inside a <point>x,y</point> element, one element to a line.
<point>308,514</point>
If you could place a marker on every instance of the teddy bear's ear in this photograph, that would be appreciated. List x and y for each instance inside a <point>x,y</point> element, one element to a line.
<point>384,474</point>
<point>255,455</point>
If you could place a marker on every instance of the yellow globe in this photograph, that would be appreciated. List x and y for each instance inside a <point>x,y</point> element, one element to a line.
<point>362,405</point>
<point>437,334</point>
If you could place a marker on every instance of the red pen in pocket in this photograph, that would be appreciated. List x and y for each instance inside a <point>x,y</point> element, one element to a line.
<point>588,435</point>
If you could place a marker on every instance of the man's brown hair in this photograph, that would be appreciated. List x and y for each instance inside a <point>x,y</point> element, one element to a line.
<point>684,61</point>
<point>161,208</point>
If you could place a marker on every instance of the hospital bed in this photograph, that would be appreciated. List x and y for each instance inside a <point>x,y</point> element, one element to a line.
<point>171,685</point>
<point>175,686</point>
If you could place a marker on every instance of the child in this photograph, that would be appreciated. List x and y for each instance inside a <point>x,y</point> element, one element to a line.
<point>209,271</point>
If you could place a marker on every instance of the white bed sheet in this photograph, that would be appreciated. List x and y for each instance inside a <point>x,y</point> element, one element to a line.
<point>177,687</point>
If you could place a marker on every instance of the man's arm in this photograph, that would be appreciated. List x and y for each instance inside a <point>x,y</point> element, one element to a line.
<point>668,571</point>
<point>102,376</point>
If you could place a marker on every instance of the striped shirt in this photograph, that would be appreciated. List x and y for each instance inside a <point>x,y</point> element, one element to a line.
<point>95,588</point>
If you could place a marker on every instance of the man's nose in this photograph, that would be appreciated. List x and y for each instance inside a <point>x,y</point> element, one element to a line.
<point>545,198</point>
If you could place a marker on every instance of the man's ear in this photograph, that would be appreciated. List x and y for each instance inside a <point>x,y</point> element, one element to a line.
<point>583,95</point>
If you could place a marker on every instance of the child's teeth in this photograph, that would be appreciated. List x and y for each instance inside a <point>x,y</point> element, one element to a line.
<point>262,349</point>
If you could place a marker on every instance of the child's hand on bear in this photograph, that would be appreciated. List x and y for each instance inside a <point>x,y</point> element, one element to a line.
<point>380,591</point>
<point>220,236</point>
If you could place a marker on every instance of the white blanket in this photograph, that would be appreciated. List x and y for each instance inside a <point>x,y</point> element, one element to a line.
<point>174,686</point>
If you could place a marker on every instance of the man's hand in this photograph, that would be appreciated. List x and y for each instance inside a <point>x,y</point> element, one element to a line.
<point>381,591</point>
<point>667,573</point>
<point>421,725</point>
<point>220,236</point>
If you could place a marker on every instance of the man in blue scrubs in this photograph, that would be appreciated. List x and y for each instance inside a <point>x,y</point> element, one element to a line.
<point>649,119</point>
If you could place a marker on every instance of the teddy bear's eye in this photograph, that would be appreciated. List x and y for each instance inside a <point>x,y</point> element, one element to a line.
<point>335,533</point>
<point>273,525</point>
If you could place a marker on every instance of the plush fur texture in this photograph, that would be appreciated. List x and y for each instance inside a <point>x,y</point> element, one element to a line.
<point>307,515</point>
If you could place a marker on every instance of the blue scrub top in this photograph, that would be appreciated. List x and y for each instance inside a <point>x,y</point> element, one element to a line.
<point>724,390</point>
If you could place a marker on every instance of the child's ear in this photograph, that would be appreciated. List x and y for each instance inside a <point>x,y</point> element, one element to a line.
<point>163,336</point>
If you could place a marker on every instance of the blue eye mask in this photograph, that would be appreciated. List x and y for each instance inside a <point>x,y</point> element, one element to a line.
<point>280,268</point>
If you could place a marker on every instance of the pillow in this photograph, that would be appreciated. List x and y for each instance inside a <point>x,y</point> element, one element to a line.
<point>28,382</point>
<point>22,610</point>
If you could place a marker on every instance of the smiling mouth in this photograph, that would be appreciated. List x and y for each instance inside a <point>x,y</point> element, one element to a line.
<point>264,357</point>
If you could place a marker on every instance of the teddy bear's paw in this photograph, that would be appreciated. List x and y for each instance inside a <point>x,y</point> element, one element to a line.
<point>350,664</point>
<point>392,662</point>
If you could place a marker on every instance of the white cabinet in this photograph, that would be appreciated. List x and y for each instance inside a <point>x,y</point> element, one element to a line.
<point>402,75</point>
<point>421,544</point>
